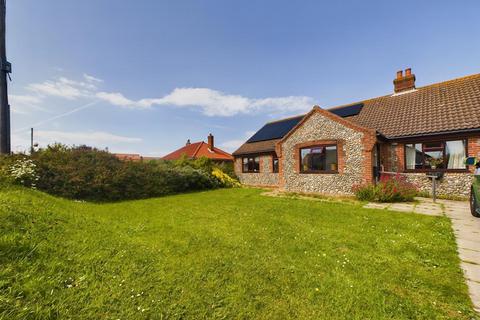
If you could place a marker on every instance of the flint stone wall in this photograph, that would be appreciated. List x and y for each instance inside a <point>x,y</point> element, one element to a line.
<point>318,127</point>
<point>452,184</point>
<point>263,178</point>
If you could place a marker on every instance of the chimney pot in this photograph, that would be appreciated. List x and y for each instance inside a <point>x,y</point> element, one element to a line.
<point>210,142</point>
<point>404,83</point>
<point>188,142</point>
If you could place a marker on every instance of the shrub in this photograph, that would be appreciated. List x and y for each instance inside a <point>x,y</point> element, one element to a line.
<point>390,188</point>
<point>365,192</point>
<point>206,164</point>
<point>224,179</point>
<point>24,171</point>
<point>86,173</point>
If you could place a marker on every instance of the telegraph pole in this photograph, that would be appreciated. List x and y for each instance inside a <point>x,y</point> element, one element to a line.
<point>31,142</point>
<point>6,68</point>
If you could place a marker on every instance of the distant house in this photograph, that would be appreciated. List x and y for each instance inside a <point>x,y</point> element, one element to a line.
<point>200,149</point>
<point>128,156</point>
<point>412,131</point>
<point>134,157</point>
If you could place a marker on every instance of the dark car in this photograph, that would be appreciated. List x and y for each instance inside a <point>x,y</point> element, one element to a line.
<point>475,188</point>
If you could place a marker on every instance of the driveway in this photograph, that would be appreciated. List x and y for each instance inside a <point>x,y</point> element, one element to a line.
<point>466,229</point>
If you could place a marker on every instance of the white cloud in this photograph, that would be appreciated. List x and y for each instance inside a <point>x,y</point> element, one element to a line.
<point>232,145</point>
<point>91,78</point>
<point>64,88</point>
<point>23,104</point>
<point>214,103</point>
<point>100,139</point>
<point>118,99</point>
<point>210,102</point>
<point>89,138</point>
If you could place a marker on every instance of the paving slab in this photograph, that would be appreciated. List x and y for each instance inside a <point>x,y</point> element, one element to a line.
<point>376,205</point>
<point>468,244</point>
<point>429,211</point>
<point>469,255</point>
<point>474,290</point>
<point>472,271</point>
<point>402,207</point>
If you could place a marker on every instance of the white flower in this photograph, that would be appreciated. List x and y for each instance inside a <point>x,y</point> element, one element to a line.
<point>24,172</point>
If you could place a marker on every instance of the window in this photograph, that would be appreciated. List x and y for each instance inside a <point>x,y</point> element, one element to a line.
<point>275,165</point>
<point>319,159</point>
<point>439,155</point>
<point>251,164</point>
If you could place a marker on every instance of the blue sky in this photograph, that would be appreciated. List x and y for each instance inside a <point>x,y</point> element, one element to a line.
<point>144,76</point>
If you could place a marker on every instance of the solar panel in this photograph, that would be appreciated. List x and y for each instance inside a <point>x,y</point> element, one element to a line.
<point>348,111</point>
<point>275,130</point>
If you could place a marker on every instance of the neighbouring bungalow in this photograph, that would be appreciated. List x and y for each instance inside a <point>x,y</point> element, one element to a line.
<point>412,131</point>
<point>200,149</point>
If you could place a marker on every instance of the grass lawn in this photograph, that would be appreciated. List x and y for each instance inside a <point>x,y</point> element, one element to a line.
<point>224,254</point>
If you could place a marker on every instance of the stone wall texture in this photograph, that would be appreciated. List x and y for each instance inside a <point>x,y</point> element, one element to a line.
<point>452,184</point>
<point>263,178</point>
<point>318,127</point>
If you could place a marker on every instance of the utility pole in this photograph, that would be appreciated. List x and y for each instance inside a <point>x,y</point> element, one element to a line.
<point>6,68</point>
<point>31,141</point>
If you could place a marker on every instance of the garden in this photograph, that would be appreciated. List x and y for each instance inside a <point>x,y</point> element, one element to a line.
<point>84,235</point>
<point>223,254</point>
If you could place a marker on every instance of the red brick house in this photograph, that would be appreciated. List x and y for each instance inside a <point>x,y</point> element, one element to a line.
<point>200,149</point>
<point>412,131</point>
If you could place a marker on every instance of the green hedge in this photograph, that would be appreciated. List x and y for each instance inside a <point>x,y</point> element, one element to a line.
<point>86,173</point>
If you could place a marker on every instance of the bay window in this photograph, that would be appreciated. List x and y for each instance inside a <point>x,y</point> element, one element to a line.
<point>319,159</point>
<point>251,164</point>
<point>437,155</point>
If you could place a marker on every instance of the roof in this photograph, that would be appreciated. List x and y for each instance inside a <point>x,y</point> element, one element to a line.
<point>275,129</point>
<point>128,156</point>
<point>198,150</point>
<point>438,108</point>
<point>257,147</point>
<point>443,107</point>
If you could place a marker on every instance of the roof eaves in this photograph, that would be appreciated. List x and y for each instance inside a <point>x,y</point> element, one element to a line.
<point>438,133</point>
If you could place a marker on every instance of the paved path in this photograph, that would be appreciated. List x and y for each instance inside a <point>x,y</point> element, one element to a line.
<point>466,229</point>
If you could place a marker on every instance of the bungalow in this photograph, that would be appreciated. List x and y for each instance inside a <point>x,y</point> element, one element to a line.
<point>200,149</point>
<point>412,131</point>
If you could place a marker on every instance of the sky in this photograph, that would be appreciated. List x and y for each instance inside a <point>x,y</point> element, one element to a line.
<point>144,76</point>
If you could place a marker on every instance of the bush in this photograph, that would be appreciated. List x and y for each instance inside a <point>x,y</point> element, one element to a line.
<point>225,179</point>
<point>86,173</point>
<point>207,165</point>
<point>389,189</point>
<point>24,172</point>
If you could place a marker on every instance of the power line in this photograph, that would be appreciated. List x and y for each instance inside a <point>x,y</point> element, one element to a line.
<point>88,105</point>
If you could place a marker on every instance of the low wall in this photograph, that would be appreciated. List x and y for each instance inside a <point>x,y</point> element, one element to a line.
<point>452,184</point>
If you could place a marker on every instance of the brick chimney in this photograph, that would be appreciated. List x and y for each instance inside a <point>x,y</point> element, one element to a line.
<point>210,142</point>
<point>188,142</point>
<point>404,82</point>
